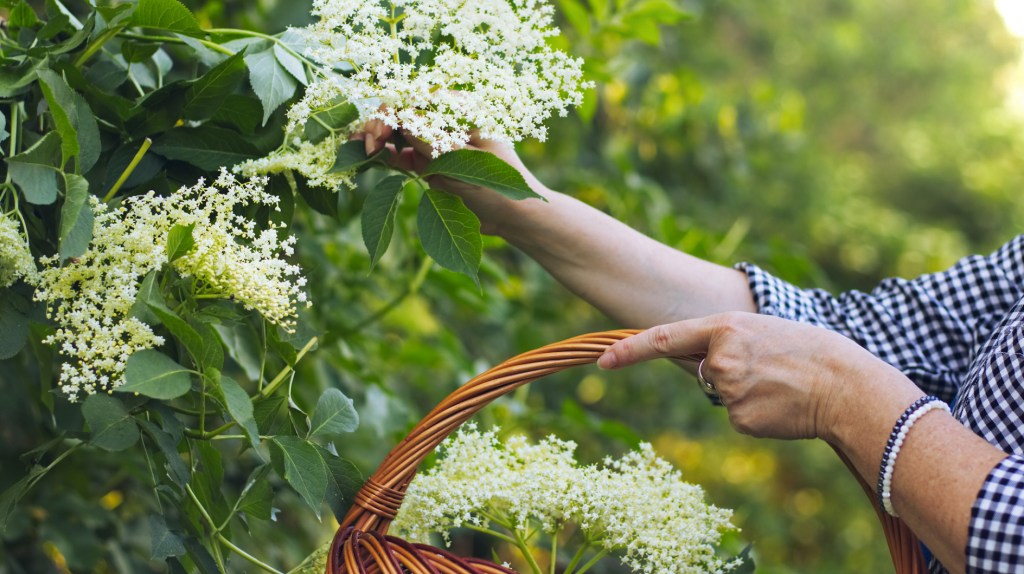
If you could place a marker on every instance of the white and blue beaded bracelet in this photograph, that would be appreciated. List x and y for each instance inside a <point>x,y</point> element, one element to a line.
<point>921,407</point>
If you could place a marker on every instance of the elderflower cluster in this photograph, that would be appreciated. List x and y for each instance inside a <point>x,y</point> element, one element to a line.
<point>436,68</point>
<point>637,505</point>
<point>15,258</point>
<point>91,297</point>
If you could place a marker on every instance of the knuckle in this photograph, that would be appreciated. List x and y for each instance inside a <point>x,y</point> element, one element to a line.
<point>661,340</point>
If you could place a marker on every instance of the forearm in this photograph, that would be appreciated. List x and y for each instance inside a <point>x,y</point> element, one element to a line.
<point>627,275</point>
<point>938,472</point>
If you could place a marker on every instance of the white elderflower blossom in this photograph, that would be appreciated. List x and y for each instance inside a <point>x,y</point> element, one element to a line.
<point>439,68</point>
<point>638,505</point>
<point>15,258</point>
<point>91,297</point>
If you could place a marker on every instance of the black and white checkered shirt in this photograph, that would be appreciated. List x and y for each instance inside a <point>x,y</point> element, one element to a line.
<point>958,335</point>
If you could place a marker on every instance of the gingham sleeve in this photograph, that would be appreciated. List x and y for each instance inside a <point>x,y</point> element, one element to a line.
<point>995,536</point>
<point>929,327</point>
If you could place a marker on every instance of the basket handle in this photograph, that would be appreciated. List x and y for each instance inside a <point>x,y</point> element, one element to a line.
<point>377,502</point>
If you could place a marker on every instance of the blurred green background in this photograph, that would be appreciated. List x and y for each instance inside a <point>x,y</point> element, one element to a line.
<point>833,142</point>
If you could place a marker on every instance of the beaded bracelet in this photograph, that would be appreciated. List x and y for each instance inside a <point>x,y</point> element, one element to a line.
<point>899,432</point>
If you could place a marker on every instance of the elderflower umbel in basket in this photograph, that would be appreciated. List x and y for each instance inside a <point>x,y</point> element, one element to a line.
<point>436,68</point>
<point>637,506</point>
<point>91,298</point>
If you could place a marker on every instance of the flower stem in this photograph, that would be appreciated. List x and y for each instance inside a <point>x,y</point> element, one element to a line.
<point>279,379</point>
<point>128,170</point>
<point>224,541</point>
<point>96,45</point>
<point>524,548</point>
<point>493,533</point>
<point>592,561</point>
<point>576,558</point>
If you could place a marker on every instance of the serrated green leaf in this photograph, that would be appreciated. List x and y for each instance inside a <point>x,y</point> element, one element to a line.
<point>333,416</point>
<point>321,199</point>
<point>482,168</point>
<point>208,93</point>
<point>206,147</point>
<point>16,77</point>
<point>336,117</point>
<point>304,469</point>
<point>201,558</point>
<point>112,427</point>
<point>163,542</point>
<point>153,374</point>
<point>378,217</point>
<point>240,407</point>
<point>270,81</point>
<point>35,170</point>
<point>76,218</point>
<point>50,82</point>
<point>241,112</point>
<point>179,471</point>
<point>166,15</point>
<point>291,63</point>
<point>450,232</point>
<point>180,241</point>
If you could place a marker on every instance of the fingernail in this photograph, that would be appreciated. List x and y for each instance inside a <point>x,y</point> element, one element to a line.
<point>607,361</point>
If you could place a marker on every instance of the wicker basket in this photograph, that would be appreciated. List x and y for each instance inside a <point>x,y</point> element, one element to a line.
<point>362,544</point>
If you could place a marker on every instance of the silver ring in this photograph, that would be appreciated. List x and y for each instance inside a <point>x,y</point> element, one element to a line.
<point>705,385</point>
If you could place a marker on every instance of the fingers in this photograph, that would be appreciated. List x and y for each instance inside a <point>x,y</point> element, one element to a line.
<point>376,135</point>
<point>671,340</point>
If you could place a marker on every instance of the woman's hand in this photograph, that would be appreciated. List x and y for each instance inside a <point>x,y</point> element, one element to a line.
<point>493,208</point>
<point>777,378</point>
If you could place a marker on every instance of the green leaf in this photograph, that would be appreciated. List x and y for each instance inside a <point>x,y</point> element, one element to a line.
<point>482,168</point>
<point>4,134</point>
<point>379,216</point>
<point>23,16</point>
<point>336,117</point>
<point>135,52</point>
<point>14,318</point>
<point>112,427</point>
<point>180,241</point>
<point>304,469</point>
<point>289,62</point>
<point>76,217</point>
<point>200,340</point>
<point>149,292</point>
<point>166,15</point>
<point>272,415</point>
<point>321,199</point>
<point>201,558</point>
<point>206,147</point>
<point>257,497</point>
<point>35,170</point>
<point>50,83</point>
<point>208,93</point>
<point>154,374</point>
<point>73,118</point>
<point>12,496</point>
<point>240,407</point>
<point>333,416</point>
<point>163,542</point>
<point>243,346</point>
<point>351,156</point>
<point>15,77</point>
<point>179,471</point>
<point>343,482</point>
<point>241,112</point>
<point>450,232</point>
<point>270,80</point>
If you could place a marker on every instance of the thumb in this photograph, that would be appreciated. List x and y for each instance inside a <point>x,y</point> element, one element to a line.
<point>678,339</point>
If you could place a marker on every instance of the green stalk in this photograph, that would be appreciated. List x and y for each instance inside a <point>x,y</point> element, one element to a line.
<point>128,170</point>
<point>172,40</point>
<point>96,46</point>
<point>576,558</point>
<point>279,379</point>
<point>588,565</point>
<point>524,548</point>
<point>223,540</point>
